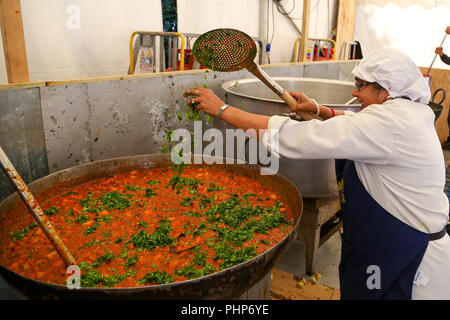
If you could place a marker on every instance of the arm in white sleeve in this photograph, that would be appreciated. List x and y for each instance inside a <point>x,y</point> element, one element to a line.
<point>367,136</point>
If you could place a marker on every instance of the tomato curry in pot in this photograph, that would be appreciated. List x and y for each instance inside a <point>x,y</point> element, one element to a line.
<point>147,227</point>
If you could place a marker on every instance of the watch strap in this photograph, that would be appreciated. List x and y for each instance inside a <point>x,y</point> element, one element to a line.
<point>222,109</point>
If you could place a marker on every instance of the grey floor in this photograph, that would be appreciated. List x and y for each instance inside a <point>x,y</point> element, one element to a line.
<point>326,263</point>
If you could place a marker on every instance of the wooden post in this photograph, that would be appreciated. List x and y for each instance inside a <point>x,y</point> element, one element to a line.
<point>345,23</point>
<point>305,30</point>
<point>13,41</point>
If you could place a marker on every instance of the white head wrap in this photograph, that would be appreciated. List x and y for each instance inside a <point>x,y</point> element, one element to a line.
<point>396,72</point>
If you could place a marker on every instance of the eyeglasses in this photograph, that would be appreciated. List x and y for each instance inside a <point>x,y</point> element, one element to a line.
<point>363,84</point>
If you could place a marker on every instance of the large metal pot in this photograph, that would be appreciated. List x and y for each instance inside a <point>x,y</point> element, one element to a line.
<point>225,284</point>
<point>314,178</point>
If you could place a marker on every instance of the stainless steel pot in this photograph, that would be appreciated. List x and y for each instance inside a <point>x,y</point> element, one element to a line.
<point>229,283</point>
<point>314,178</point>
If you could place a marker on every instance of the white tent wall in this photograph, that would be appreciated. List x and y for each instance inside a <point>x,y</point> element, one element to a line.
<point>415,27</point>
<point>258,18</point>
<point>71,39</point>
<point>284,34</point>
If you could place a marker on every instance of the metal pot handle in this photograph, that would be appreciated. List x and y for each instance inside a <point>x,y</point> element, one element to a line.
<point>443,96</point>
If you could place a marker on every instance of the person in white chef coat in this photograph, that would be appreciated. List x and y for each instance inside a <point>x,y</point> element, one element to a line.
<point>395,243</point>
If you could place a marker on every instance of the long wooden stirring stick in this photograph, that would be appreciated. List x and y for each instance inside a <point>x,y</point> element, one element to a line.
<point>35,209</point>
<point>429,69</point>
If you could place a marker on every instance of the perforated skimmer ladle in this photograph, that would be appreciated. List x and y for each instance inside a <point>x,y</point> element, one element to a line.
<point>232,50</point>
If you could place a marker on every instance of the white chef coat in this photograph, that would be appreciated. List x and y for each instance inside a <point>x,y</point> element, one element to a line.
<point>399,160</point>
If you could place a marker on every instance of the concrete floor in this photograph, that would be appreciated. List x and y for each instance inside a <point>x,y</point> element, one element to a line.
<point>326,264</point>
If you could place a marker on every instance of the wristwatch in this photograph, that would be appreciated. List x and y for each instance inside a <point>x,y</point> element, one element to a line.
<point>222,109</point>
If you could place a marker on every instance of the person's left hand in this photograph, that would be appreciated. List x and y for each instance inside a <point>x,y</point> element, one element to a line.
<point>439,51</point>
<point>206,100</point>
<point>447,30</point>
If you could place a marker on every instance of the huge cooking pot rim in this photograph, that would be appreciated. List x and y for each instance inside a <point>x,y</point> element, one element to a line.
<point>139,165</point>
<point>227,86</point>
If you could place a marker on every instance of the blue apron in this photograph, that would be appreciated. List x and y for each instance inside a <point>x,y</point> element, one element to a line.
<point>380,254</point>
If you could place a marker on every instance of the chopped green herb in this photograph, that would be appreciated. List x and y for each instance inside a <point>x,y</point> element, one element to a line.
<point>51,211</point>
<point>131,261</point>
<point>106,218</point>
<point>149,193</point>
<point>213,187</point>
<point>160,238</point>
<point>91,229</point>
<point>132,188</point>
<point>107,257</point>
<point>82,218</point>
<point>91,279</point>
<point>178,182</point>
<point>115,279</point>
<point>23,232</point>
<point>160,277</point>
<point>191,273</point>
<point>92,243</point>
<point>114,200</point>
<point>230,256</point>
<point>188,201</point>
<point>143,224</point>
<point>119,239</point>
<point>89,204</point>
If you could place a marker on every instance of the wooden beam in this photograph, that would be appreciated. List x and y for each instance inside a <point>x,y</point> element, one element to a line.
<point>305,30</point>
<point>13,41</point>
<point>345,24</point>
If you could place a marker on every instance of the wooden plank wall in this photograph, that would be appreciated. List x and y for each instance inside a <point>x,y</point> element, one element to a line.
<point>345,24</point>
<point>13,41</point>
<point>440,78</point>
<point>305,30</point>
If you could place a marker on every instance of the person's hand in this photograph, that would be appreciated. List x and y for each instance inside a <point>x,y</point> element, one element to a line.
<point>303,103</point>
<point>439,51</point>
<point>206,100</point>
<point>447,30</point>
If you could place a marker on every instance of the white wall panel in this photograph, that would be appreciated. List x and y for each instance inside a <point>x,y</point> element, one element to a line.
<point>69,39</point>
<point>198,16</point>
<point>415,27</point>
